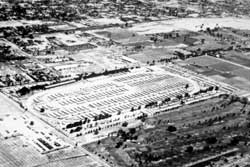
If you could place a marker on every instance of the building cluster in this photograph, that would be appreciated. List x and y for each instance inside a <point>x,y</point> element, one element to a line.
<point>126,10</point>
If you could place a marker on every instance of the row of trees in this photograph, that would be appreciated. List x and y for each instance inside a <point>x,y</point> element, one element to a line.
<point>208,89</point>
<point>106,72</point>
<point>77,123</point>
<point>102,116</point>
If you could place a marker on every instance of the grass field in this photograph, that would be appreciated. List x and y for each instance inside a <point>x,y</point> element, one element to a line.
<point>202,61</point>
<point>117,34</point>
<point>242,73</point>
<point>239,82</point>
<point>220,71</point>
<point>224,67</point>
<point>237,57</point>
<point>192,24</point>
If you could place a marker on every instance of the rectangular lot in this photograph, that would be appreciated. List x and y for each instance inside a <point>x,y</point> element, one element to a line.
<point>202,61</point>
<point>222,71</point>
<point>238,57</point>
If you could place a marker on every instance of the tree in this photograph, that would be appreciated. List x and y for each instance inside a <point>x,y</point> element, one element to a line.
<point>208,30</point>
<point>211,140</point>
<point>206,148</point>
<point>244,100</point>
<point>143,119</point>
<point>42,110</point>
<point>119,144</point>
<point>125,124</point>
<point>132,130</point>
<point>78,129</point>
<point>187,95</point>
<point>171,128</point>
<point>23,91</point>
<point>96,132</point>
<point>202,41</point>
<point>179,97</point>
<point>31,123</point>
<point>210,88</point>
<point>234,141</point>
<point>189,149</point>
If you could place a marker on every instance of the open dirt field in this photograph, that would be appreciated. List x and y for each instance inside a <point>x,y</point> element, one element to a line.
<point>192,24</point>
